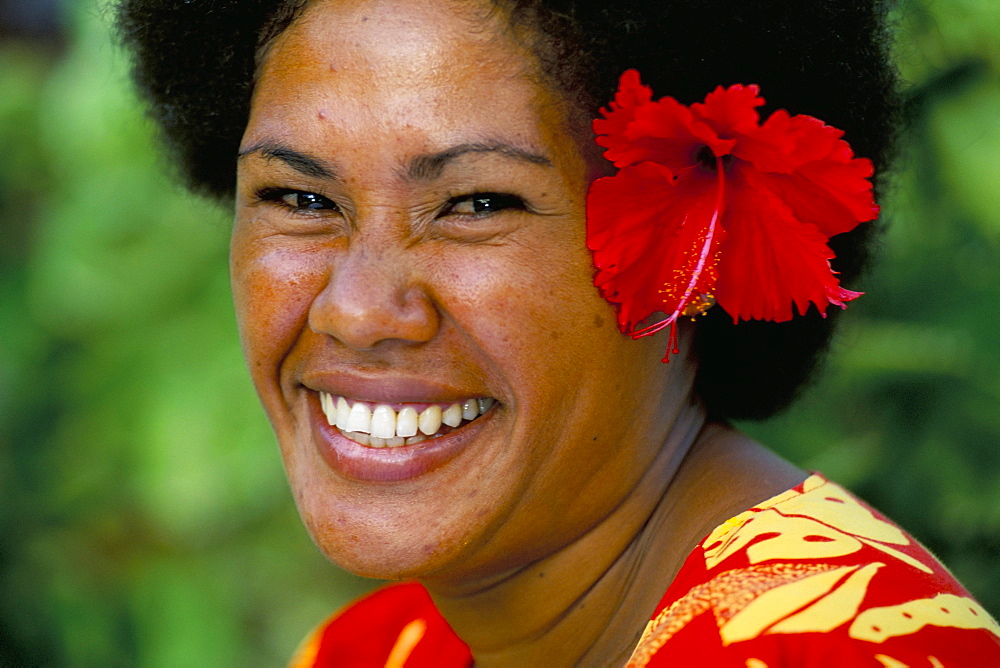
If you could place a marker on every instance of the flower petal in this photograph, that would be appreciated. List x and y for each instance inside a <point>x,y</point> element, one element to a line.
<point>668,133</point>
<point>784,143</point>
<point>631,95</point>
<point>834,196</point>
<point>764,198</point>
<point>648,231</point>
<point>813,170</point>
<point>636,129</point>
<point>772,259</point>
<point>730,111</point>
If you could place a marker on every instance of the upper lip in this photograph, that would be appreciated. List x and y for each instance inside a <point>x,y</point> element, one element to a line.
<point>387,388</point>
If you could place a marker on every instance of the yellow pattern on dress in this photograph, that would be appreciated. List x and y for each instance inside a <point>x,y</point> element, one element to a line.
<point>408,638</point>
<point>838,607</point>
<point>945,610</point>
<point>772,596</point>
<point>822,522</point>
<point>834,597</point>
<point>724,595</point>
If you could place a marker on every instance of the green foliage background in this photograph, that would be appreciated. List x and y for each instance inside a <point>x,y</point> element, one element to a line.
<point>144,517</point>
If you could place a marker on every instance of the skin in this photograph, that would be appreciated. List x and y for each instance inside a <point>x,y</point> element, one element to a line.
<point>552,533</point>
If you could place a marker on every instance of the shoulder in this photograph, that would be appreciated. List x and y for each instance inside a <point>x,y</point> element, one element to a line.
<point>815,577</point>
<point>394,625</point>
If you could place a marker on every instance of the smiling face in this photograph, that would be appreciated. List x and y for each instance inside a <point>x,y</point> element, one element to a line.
<point>410,237</point>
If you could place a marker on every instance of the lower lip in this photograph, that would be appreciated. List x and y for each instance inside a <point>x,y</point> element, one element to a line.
<point>354,461</point>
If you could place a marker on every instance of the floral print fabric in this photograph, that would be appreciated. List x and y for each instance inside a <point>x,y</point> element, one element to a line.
<point>812,577</point>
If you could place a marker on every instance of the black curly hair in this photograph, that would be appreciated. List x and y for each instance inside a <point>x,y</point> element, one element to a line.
<point>194,63</point>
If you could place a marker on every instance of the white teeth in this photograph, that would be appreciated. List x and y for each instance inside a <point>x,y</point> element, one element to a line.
<point>324,402</point>
<point>360,419</point>
<point>452,416</point>
<point>430,420</point>
<point>406,423</point>
<point>373,442</point>
<point>343,413</point>
<point>382,427</point>
<point>383,422</point>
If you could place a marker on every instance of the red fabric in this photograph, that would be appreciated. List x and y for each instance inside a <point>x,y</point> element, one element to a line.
<point>811,578</point>
<point>815,578</point>
<point>365,633</point>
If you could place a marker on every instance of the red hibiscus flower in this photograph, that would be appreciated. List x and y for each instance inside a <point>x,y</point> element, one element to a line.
<point>712,206</point>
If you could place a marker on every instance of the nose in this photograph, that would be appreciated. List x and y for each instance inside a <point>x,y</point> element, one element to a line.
<point>372,298</point>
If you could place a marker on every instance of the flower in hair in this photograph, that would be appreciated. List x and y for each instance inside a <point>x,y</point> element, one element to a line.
<point>712,206</point>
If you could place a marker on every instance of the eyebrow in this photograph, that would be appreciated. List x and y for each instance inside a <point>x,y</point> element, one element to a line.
<point>421,168</point>
<point>429,167</point>
<point>301,162</point>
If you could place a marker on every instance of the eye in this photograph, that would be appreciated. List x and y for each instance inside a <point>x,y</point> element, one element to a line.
<point>297,200</point>
<point>481,204</point>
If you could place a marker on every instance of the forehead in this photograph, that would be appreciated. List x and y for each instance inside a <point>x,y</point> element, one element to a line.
<point>392,63</point>
<point>418,31</point>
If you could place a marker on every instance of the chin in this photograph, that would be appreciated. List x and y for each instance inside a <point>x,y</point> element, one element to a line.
<point>385,550</point>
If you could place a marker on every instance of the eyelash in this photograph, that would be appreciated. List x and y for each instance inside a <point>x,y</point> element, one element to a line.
<point>493,202</point>
<point>278,195</point>
<point>490,201</point>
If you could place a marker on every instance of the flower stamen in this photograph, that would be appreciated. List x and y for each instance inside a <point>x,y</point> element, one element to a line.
<point>706,249</point>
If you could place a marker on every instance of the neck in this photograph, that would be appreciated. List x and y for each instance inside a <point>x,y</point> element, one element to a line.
<point>588,602</point>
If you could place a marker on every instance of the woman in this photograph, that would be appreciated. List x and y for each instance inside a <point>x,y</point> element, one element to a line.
<point>419,212</point>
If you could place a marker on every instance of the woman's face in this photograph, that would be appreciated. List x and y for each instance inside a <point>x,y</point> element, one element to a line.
<point>410,236</point>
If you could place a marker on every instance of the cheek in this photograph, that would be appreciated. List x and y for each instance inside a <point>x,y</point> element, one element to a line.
<point>273,289</point>
<point>530,306</point>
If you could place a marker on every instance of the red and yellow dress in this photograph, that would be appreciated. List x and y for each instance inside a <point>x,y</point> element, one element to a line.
<point>811,577</point>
